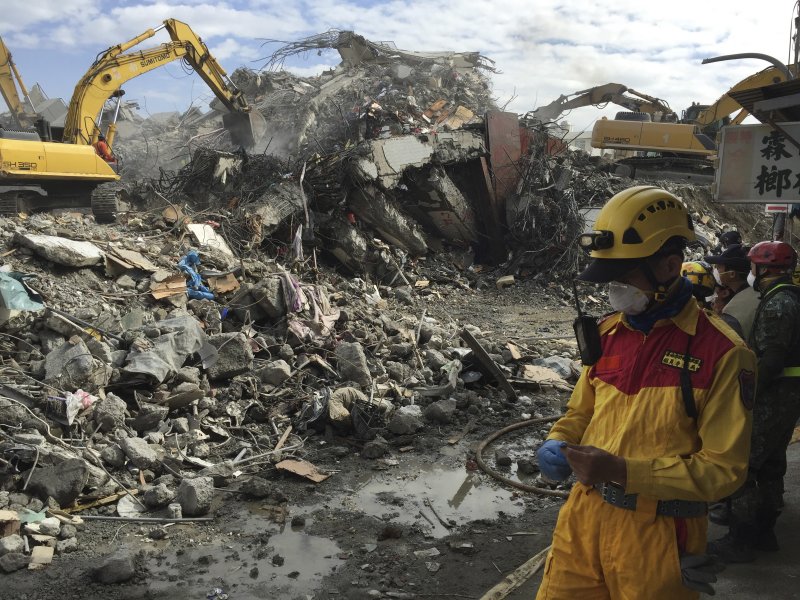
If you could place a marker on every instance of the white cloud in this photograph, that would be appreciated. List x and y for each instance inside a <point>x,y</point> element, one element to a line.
<point>21,16</point>
<point>544,48</point>
<point>230,48</point>
<point>311,70</point>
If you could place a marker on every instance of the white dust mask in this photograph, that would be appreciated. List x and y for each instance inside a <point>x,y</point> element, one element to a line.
<point>751,280</point>
<point>627,298</point>
<point>717,276</point>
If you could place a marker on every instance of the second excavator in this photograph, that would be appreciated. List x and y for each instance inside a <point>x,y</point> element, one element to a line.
<point>48,167</point>
<point>688,143</point>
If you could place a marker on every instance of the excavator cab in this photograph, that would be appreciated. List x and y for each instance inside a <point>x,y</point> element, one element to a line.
<point>692,113</point>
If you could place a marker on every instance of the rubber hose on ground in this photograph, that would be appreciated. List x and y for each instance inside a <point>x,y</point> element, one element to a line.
<point>517,484</point>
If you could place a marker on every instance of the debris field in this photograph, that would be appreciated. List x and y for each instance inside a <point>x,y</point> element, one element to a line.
<point>345,299</point>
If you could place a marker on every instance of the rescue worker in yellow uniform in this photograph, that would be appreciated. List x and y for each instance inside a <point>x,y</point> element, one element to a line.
<point>656,428</point>
<point>699,274</point>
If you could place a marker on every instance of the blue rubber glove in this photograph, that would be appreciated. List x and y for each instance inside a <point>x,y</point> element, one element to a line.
<point>552,463</point>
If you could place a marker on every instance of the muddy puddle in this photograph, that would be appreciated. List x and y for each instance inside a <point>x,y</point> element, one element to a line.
<point>430,498</point>
<point>262,560</point>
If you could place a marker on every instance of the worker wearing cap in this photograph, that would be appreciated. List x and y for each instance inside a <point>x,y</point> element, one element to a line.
<point>728,239</point>
<point>775,338</point>
<point>657,427</point>
<point>737,301</point>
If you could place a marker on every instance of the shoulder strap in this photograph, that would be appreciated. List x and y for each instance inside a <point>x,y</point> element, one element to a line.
<point>687,392</point>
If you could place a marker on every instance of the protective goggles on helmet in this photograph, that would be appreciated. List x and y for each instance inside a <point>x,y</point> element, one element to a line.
<point>596,240</point>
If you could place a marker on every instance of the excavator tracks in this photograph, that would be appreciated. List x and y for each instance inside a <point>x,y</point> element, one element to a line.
<point>105,204</point>
<point>9,205</point>
<point>13,202</point>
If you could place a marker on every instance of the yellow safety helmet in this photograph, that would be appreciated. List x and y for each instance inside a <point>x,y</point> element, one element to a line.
<point>700,274</point>
<point>634,224</point>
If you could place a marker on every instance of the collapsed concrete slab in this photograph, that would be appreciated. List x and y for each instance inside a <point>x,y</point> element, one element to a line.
<point>356,49</point>
<point>272,209</point>
<point>444,207</point>
<point>381,212</point>
<point>387,160</point>
<point>347,244</point>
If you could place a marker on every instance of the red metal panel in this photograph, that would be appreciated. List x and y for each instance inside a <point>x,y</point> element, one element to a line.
<point>505,150</point>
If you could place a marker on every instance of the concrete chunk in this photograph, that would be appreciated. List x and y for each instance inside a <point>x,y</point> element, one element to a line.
<point>270,298</point>
<point>183,395</point>
<point>71,366</point>
<point>194,496</point>
<point>63,251</point>
<point>235,356</point>
<point>109,413</point>
<point>158,496</point>
<point>11,543</point>
<point>13,561</point>
<point>441,411</point>
<point>352,363</point>
<point>117,568</point>
<point>406,420</point>
<point>64,482</point>
<point>149,417</point>
<point>275,373</point>
<point>139,453</point>
<point>67,545</point>
<point>113,456</point>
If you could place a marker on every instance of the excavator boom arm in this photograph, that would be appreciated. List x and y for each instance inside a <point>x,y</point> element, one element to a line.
<point>116,66</point>
<point>201,60</point>
<point>9,79</point>
<point>601,94</point>
<point>725,105</point>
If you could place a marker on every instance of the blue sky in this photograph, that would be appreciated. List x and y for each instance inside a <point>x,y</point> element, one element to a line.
<point>544,47</point>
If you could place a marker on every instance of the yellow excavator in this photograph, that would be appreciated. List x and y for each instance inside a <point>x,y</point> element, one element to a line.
<point>22,109</point>
<point>690,142</point>
<point>599,95</point>
<point>64,164</point>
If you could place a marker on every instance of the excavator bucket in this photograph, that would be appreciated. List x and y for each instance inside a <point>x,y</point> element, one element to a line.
<point>246,128</point>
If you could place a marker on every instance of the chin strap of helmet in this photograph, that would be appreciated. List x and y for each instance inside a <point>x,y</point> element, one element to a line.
<point>659,289</point>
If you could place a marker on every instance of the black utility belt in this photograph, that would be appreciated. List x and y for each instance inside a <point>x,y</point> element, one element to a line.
<point>614,495</point>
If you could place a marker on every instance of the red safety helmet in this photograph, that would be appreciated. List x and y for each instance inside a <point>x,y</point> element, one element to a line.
<point>778,255</point>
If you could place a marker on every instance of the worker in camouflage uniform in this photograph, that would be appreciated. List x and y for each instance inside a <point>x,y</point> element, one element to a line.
<point>775,338</point>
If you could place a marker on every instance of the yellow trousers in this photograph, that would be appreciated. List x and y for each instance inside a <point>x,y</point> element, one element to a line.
<point>603,552</point>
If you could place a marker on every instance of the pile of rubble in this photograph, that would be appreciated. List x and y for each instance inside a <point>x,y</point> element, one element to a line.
<point>203,339</point>
<point>144,365</point>
<point>375,92</point>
